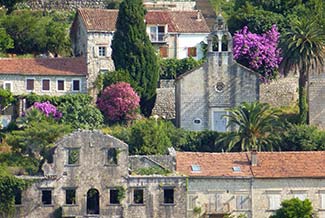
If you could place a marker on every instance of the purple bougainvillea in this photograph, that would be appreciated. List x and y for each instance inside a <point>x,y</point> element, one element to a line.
<point>119,102</point>
<point>48,109</point>
<point>258,52</point>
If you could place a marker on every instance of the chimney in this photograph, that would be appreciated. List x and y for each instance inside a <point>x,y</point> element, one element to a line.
<point>254,157</point>
<point>198,16</point>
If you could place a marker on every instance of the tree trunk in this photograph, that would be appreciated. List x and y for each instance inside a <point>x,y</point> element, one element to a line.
<point>303,106</point>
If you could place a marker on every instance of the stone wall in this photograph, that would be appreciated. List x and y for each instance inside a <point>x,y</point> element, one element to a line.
<point>165,100</point>
<point>62,4</point>
<point>142,161</point>
<point>18,84</point>
<point>317,100</point>
<point>282,92</point>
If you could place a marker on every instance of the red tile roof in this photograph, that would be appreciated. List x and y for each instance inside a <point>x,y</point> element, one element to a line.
<point>44,66</point>
<point>269,165</point>
<point>177,21</point>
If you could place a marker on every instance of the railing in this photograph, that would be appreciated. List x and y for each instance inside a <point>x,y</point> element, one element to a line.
<point>158,37</point>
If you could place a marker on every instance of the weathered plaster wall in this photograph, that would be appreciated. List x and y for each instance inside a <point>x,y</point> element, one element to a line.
<point>19,84</point>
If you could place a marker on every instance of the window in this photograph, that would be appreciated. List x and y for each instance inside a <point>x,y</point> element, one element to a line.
<point>274,201</point>
<point>112,156</point>
<point>300,196</point>
<point>70,196</point>
<point>102,51</point>
<point>191,52</point>
<point>76,85</point>
<point>18,197</point>
<point>138,196</point>
<point>113,196</point>
<point>7,85</point>
<point>163,51</point>
<point>191,201</point>
<point>195,168</point>
<point>168,196</point>
<point>73,156</point>
<point>46,197</point>
<point>322,198</point>
<point>218,202</point>
<point>242,202</point>
<point>30,84</point>
<point>60,85</point>
<point>157,33</point>
<point>46,85</point>
<point>219,120</point>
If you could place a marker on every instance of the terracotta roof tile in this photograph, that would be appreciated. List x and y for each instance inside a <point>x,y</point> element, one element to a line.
<point>213,164</point>
<point>269,165</point>
<point>44,66</point>
<point>177,21</point>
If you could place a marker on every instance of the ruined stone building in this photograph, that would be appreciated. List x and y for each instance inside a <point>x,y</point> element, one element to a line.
<point>90,177</point>
<point>204,94</point>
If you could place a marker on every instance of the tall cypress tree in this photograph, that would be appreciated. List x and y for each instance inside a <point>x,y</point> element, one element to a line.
<point>133,52</point>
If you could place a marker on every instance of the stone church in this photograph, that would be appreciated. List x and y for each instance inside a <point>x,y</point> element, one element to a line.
<point>204,95</point>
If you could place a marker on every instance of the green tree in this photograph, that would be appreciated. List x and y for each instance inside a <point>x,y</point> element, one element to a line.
<point>294,208</point>
<point>303,51</point>
<point>9,4</point>
<point>256,125</point>
<point>133,52</point>
<point>6,42</point>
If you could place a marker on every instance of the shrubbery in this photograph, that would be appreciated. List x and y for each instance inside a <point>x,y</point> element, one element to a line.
<point>171,68</point>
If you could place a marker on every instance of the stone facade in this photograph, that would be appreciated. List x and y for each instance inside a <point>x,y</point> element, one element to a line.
<point>165,100</point>
<point>204,94</point>
<point>19,84</point>
<point>316,100</point>
<point>84,163</point>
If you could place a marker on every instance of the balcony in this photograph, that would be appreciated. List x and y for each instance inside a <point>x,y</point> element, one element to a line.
<point>158,37</point>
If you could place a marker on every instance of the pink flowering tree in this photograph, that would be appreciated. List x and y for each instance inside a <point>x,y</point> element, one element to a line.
<point>258,52</point>
<point>119,102</point>
<point>48,109</point>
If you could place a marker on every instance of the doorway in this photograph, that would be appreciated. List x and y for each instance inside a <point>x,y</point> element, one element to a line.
<point>93,201</point>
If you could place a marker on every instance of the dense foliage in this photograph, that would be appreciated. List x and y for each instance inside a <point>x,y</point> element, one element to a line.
<point>77,109</point>
<point>31,32</point>
<point>48,109</point>
<point>111,77</point>
<point>119,102</point>
<point>9,186</point>
<point>294,208</point>
<point>258,52</point>
<point>172,68</point>
<point>133,52</point>
<point>10,4</point>
<point>6,98</point>
<point>303,52</point>
<point>155,170</point>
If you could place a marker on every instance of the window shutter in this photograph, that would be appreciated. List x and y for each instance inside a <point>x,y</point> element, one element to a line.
<point>96,51</point>
<point>163,52</point>
<point>218,202</point>
<point>323,201</point>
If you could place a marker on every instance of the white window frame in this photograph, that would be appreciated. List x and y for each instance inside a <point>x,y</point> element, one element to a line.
<point>57,84</point>
<point>212,110</point>
<point>8,82</point>
<point>156,33</point>
<point>30,78</point>
<point>322,200</point>
<point>101,49</point>
<point>72,86</point>
<point>301,196</point>
<point>49,85</point>
<point>274,201</point>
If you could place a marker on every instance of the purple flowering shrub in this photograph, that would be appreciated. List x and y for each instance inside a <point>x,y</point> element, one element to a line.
<point>48,109</point>
<point>259,52</point>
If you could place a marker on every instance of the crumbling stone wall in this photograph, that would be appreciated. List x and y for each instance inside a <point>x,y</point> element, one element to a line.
<point>142,161</point>
<point>165,100</point>
<point>62,4</point>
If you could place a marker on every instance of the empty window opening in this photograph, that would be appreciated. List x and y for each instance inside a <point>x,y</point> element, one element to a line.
<point>168,196</point>
<point>224,43</point>
<point>30,84</point>
<point>17,197</point>
<point>93,201</point>
<point>138,196</point>
<point>70,196</point>
<point>112,156</point>
<point>46,197</point>
<point>113,196</point>
<point>73,156</point>
<point>60,85</point>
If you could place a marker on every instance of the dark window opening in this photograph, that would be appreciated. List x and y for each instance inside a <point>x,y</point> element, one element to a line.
<point>76,85</point>
<point>169,196</point>
<point>113,196</point>
<point>46,85</point>
<point>61,85</point>
<point>138,196</point>
<point>18,197</point>
<point>47,197</point>
<point>70,196</point>
<point>93,201</point>
<point>73,156</point>
<point>30,84</point>
<point>112,156</point>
